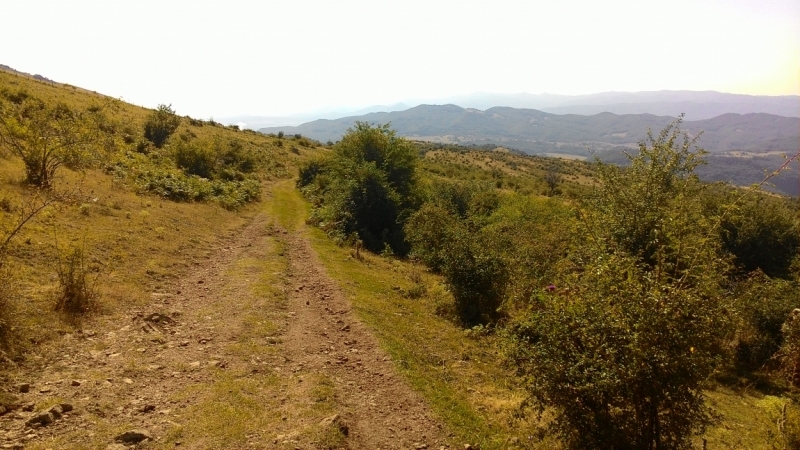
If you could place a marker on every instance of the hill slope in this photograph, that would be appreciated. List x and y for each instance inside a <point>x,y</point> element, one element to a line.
<point>534,131</point>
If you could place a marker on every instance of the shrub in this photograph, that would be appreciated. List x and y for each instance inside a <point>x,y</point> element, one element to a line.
<point>366,186</point>
<point>471,261</point>
<point>763,306</point>
<point>622,345</point>
<point>160,125</point>
<point>762,234</point>
<point>48,137</point>
<point>195,159</point>
<point>77,286</point>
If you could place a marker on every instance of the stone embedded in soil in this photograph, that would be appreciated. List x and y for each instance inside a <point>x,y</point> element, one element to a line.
<point>43,419</point>
<point>75,383</point>
<point>24,387</point>
<point>133,436</point>
<point>56,411</point>
<point>335,421</point>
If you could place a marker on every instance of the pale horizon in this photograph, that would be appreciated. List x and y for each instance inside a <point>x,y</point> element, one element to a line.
<point>279,58</point>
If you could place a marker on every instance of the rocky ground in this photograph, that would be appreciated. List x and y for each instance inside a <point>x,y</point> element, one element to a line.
<point>237,354</point>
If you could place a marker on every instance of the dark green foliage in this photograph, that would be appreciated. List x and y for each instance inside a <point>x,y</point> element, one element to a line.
<point>762,233</point>
<point>469,259</point>
<point>446,235</point>
<point>622,360</point>
<point>430,233</point>
<point>365,187</point>
<point>476,274</point>
<point>762,306</point>
<point>493,251</point>
<point>214,159</point>
<point>636,200</point>
<point>160,125</point>
<point>194,170</point>
<point>623,347</point>
<point>195,159</point>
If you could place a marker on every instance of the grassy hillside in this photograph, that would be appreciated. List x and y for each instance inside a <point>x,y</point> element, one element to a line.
<point>140,219</point>
<point>133,232</point>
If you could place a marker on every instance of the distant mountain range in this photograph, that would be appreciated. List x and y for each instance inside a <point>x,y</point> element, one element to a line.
<point>743,147</point>
<point>696,105</point>
<point>537,132</point>
<point>255,122</point>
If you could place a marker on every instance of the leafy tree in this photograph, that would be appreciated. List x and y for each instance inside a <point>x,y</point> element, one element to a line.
<point>48,137</point>
<point>553,179</point>
<point>365,187</point>
<point>636,200</point>
<point>623,342</point>
<point>160,125</point>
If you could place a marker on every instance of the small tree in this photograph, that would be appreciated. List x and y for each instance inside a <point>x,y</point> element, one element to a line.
<point>365,187</point>
<point>622,345</point>
<point>553,179</point>
<point>160,125</point>
<point>48,137</point>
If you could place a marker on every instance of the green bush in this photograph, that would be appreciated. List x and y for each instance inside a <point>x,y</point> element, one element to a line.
<point>762,306</point>
<point>196,159</point>
<point>160,125</point>
<point>365,187</point>
<point>47,137</point>
<point>762,234</point>
<point>621,346</point>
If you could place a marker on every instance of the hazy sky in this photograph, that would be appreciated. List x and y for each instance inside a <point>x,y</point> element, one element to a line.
<point>221,58</point>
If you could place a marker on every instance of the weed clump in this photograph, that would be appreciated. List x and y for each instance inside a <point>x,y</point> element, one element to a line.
<point>77,285</point>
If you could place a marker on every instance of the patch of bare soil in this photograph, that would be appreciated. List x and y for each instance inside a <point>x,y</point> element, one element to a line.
<point>128,381</point>
<point>323,336</point>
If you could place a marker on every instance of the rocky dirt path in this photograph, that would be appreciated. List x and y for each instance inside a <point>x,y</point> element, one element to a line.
<point>256,348</point>
<point>377,407</point>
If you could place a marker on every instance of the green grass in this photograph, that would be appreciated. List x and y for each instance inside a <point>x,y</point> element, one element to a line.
<point>461,378</point>
<point>460,373</point>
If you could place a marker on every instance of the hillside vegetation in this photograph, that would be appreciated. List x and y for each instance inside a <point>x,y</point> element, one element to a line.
<point>620,305</point>
<point>741,147</point>
<point>531,302</point>
<point>88,196</point>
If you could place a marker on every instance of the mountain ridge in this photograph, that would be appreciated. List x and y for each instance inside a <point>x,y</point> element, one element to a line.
<point>535,132</point>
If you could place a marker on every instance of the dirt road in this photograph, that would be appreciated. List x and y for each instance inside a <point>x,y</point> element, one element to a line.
<point>255,348</point>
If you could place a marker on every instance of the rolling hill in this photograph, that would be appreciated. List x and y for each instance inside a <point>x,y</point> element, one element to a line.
<point>537,132</point>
